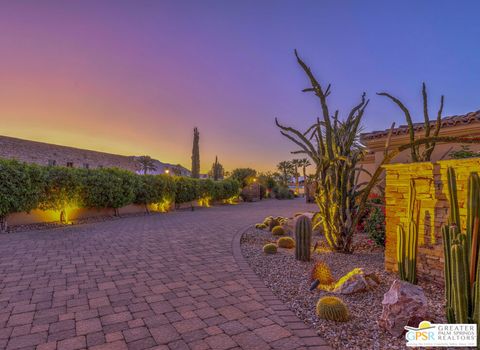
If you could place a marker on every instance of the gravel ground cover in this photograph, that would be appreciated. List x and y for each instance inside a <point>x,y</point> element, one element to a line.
<point>290,281</point>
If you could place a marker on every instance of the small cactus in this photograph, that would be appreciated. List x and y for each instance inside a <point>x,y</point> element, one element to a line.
<point>278,231</point>
<point>303,238</point>
<point>332,308</point>
<point>322,273</point>
<point>270,248</point>
<point>286,242</point>
<point>261,226</point>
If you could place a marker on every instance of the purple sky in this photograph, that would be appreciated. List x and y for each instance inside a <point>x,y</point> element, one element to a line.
<point>135,77</point>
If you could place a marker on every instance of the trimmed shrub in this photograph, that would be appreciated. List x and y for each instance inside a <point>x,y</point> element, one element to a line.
<point>186,189</point>
<point>108,188</point>
<point>20,188</point>
<point>270,248</point>
<point>61,190</point>
<point>278,231</point>
<point>155,189</point>
<point>286,242</point>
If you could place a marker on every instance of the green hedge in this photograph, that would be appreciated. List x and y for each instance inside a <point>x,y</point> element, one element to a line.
<point>24,187</point>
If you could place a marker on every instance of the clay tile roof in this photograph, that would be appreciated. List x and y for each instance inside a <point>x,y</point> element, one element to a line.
<point>447,122</point>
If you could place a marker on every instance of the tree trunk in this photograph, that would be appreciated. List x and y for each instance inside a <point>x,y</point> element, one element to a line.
<point>3,224</point>
<point>116,212</point>
<point>63,217</point>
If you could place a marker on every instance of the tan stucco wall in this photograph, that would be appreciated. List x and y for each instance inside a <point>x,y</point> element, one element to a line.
<point>431,187</point>
<point>377,146</point>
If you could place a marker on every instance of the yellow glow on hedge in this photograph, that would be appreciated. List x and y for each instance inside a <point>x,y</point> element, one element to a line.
<point>205,201</point>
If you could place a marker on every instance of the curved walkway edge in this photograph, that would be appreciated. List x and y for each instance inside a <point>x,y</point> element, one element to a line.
<point>307,335</point>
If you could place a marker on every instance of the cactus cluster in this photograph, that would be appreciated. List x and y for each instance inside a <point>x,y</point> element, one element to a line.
<point>461,250</point>
<point>270,248</point>
<point>407,241</point>
<point>278,231</point>
<point>332,308</point>
<point>286,242</point>
<point>303,238</point>
<point>261,226</point>
<point>321,272</point>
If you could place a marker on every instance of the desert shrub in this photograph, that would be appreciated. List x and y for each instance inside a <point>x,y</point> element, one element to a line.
<point>108,188</point>
<point>21,187</point>
<point>243,175</point>
<point>373,223</point>
<point>286,242</point>
<point>375,226</point>
<point>283,192</point>
<point>270,248</point>
<point>278,231</point>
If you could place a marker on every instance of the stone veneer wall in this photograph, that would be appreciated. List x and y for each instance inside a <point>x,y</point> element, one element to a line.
<point>41,153</point>
<point>432,192</point>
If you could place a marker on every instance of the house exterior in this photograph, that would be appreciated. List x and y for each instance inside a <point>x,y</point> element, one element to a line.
<point>166,168</point>
<point>458,125</point>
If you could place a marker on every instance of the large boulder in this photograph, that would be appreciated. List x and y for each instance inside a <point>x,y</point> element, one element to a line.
<point>405,304</point>
<point>357,280</point>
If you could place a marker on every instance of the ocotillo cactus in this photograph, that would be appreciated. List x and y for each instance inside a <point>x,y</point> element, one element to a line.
<point>407,241</point>
<point>303,238</point>
<point>462,266</point>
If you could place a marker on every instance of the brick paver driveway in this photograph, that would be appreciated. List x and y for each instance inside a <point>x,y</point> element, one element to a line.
<point>173,281</point>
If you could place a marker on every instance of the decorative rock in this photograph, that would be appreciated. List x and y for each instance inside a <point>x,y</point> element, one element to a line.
<point>404,304</point>
<point>356,281</point>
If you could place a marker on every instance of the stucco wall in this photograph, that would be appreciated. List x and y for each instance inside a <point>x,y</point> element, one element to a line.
<point>432,192</point>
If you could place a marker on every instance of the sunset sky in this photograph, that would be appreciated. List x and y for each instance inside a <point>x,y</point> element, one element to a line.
<point>135,77</point>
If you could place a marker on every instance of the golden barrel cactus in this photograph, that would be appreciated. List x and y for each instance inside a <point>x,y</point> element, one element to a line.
<point>332,308</point>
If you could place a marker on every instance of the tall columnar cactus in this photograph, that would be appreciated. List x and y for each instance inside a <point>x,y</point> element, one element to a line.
<point>454,218</point>
<point>196,154</point>
<point>462,266</point>
<point>407,241</point>
<point>303,238</point>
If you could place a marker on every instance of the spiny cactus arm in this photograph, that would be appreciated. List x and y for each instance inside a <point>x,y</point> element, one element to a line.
<point>299,139</point>
<point>474,252</point>
<point>317,88</point>
<point>425,111</point>
<point>429,149</point>
<point>460,305</point>
<point>447,252</point>
<point>408,117</point>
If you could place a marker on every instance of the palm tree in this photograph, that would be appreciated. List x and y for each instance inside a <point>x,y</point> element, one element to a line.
<point>296,164</point>
<point>146,164</point>
<point>304,163</point>
<point>286,168</point>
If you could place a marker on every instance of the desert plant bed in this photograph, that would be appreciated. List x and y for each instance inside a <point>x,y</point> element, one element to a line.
<point>290,281</point>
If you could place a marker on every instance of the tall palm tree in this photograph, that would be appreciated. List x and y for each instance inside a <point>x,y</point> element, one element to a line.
<point>304,163</point>
<point>296,164</point>
<point>286,168</point>
<point>146,164</point>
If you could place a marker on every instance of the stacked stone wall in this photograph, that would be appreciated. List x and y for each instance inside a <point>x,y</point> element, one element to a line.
<point>430,181</point>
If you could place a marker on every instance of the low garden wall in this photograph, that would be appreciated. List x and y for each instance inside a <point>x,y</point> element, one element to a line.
<point>432,192</point>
